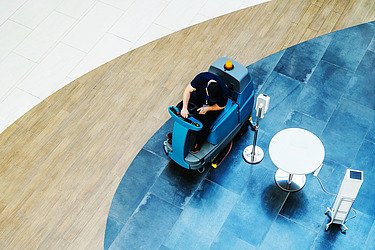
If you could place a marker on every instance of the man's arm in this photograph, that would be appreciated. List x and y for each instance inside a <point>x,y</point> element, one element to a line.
<point>204,110</point>
<point>185,100</point>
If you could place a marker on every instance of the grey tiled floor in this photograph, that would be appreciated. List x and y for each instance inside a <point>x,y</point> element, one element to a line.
<point>325,85</point>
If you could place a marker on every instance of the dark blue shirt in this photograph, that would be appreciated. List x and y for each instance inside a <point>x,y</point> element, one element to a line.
<point>201,98</point>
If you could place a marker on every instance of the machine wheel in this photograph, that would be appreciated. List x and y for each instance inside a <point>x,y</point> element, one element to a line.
<point>167,147</point>
<point>201,170</point>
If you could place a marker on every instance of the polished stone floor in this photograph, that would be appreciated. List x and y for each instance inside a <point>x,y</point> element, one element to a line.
<point>325,85</point>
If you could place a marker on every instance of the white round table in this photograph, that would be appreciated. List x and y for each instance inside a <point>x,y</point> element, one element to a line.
<point>295,152</point>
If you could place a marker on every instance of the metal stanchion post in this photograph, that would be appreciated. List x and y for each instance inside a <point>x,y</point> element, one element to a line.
<point>254,154</point>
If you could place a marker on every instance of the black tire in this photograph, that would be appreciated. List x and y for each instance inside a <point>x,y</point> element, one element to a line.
<point>201,170</point>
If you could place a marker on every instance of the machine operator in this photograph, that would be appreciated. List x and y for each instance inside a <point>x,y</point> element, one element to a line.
<point>210,99</point>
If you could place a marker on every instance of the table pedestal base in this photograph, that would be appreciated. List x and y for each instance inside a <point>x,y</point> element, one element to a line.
<point>289,182</point>
<point>253,159</point>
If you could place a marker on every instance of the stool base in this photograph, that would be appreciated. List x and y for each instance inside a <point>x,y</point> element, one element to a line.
<point>289,182</point>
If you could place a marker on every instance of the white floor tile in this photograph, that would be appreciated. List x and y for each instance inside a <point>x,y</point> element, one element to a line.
<point>11,34</point>
<point>8,8</point>
<point>16,104</point>
<point>3,125</point>
<point>108,48</point>
<point>154,32</point>
<point>45,36</point>
<point>33,12</point>
<point>214,8</point>
<point>121,4</point>
<point>49,75</point>
<point>75,8</point>
<point>65,82</point>
<point>199,18</point>
<point>248,3</point>
<point>179,14</point>
<point>92,27</point>
<point>12,69</point>
<point>137,19</point>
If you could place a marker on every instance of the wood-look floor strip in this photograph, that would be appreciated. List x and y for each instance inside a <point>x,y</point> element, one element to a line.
<point>61,163</point>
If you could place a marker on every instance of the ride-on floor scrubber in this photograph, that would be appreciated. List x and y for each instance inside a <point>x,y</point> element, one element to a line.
<point>238,85</point>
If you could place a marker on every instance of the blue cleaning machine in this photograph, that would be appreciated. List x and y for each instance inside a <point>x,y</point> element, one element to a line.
<point>238,85</point>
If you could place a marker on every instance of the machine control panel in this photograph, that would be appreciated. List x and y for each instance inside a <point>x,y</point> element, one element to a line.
<point>190,123</point>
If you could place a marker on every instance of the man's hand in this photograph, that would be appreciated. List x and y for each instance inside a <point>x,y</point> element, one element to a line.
<point>184,113</point>
<point>203,110</point>
<point>185,100</point>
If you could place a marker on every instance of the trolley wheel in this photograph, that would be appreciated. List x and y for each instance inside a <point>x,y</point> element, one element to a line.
<point>343,229</point>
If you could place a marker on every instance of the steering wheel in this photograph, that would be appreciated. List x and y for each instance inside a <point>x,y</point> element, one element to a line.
<point>192,108</point>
